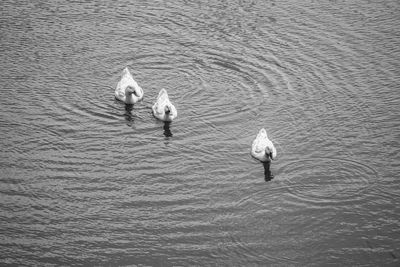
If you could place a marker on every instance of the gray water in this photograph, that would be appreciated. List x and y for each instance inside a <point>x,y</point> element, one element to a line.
<point>86,181</point>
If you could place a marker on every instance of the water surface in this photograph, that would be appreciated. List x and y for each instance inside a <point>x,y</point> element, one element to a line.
<point>86,180</point>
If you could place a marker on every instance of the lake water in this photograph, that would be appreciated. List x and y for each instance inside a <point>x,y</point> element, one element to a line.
<point>86,181</point>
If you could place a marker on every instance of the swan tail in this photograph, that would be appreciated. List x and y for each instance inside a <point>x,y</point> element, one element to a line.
<point>162,94</point>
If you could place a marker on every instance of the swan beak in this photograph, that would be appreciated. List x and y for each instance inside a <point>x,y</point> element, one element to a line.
<point>270,155</point>
<point>131,90</point>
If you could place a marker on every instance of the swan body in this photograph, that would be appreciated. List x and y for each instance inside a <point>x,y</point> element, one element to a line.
<point>163,109</point>
<point>128,90</point>
<point>262,148</point>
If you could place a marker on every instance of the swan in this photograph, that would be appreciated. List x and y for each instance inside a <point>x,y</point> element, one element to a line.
<point>163,108</point>
<point>128,90</point>
<point>262,148</point>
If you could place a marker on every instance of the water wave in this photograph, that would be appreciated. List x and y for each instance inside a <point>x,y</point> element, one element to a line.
<point>328,181</point>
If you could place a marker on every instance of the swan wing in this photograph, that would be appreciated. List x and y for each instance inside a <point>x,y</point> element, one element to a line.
<point>162,96</point>
<point>161,103</point>
<point>125,82</point>
<point>119,92</point>
<point>259,144</point>
<point>174,112</point>
<point>272,149</point>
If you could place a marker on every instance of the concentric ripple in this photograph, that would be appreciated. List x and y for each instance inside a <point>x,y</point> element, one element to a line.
<point>328,180</point>
<point>87,180</point>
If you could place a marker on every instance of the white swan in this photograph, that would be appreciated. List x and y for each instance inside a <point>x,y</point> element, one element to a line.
<point>128,90</point>
<point>262,148</point>
<point>163,108</point>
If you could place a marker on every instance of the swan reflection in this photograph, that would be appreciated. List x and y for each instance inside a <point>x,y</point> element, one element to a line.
<point>167,131</point>
<point>128,113</point>
<point>267,171</point>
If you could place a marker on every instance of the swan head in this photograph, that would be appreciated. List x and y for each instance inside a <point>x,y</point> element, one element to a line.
<point>130,90</point>
<point>167,110</point>
<point>270,153</point>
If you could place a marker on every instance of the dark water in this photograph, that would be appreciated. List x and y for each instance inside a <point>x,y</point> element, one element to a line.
<point>87,181</point>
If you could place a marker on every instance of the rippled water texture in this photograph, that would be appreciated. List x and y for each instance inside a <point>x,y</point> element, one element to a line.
<point>86,180</point>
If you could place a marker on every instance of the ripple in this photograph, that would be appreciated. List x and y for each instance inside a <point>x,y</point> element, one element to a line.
<point>328,180</point>
<point>212,89</point>
<point>186,193</point>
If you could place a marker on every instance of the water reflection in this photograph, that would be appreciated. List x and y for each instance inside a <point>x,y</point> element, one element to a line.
<point>167,131</point>
<point>267,171</point>
<point>128,114</point>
